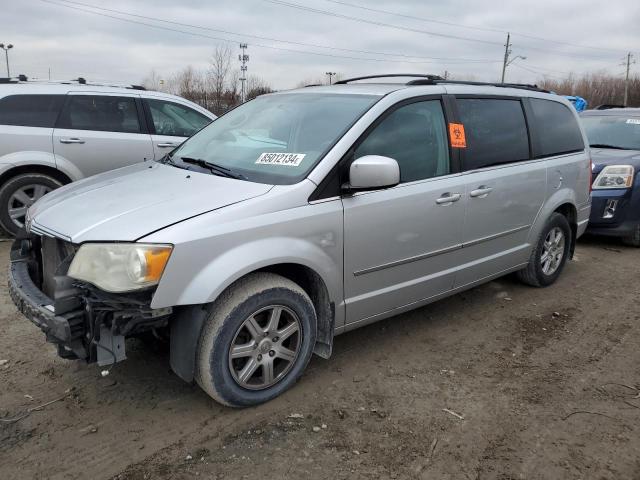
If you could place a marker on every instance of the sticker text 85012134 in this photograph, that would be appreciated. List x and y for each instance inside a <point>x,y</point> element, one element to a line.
<point>287,159</point>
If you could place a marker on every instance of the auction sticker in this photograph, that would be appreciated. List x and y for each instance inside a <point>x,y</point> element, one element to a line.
<point>635,121</point>
<point>287,159</point>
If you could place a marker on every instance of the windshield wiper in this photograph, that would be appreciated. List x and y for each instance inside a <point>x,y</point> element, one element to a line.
<point>606,145</point>
<point>214,168</point>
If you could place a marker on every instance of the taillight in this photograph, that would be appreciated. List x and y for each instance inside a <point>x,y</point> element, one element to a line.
<point>590,176</point>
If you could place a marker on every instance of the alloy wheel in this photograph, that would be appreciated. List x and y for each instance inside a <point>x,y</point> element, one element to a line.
<point>22,199</point>
<point>552,251</point>
<point>265,347</point>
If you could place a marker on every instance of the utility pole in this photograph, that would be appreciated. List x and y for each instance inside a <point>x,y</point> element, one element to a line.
<point>626,80</point>
<point>6,56</point>
<point>243,71</point>
<point>507,52</point>
<point>330,74</point>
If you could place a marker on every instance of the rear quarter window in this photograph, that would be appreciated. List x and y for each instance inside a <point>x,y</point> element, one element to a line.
<point>30,110</point>
<point>557,128</point>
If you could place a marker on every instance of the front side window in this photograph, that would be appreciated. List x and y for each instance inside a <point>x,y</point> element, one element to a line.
<point>101,113</point>
<point>414,135</point>
<point>275,139</point>
<point>495,130</point>
<point>613,131</point>
<point>175,120</point>
<point>557,126</point>
<point>30,110</point>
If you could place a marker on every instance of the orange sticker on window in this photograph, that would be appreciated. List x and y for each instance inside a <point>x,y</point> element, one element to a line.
<point>456,133</point>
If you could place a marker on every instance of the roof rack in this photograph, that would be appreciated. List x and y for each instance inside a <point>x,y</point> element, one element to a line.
<point>79,81</point>
<point>425,79</point>
<point>523,86</point>
<point>390,75</point>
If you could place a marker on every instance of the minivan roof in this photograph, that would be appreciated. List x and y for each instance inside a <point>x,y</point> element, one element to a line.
<point>381,89</point>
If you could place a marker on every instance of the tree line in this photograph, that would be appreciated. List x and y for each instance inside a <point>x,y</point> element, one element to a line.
<point>596,88</point>
<point>216,88</point>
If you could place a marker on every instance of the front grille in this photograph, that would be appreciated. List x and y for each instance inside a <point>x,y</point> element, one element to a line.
<point>56,255</point>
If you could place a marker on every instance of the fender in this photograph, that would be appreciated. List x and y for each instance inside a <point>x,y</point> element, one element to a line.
<point>218,275</point>
<point>237,262</point>
<point>558,198</point>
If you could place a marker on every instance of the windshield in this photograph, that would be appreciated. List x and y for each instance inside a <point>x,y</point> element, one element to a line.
<point>616,131</point>
<point>275,139</point>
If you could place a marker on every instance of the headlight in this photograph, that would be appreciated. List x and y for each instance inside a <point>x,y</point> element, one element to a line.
<point>614,176</point>
<point>120,267</point>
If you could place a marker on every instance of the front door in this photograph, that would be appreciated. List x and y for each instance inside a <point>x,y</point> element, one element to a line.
<point>401,243</point>
<point>100,132</point>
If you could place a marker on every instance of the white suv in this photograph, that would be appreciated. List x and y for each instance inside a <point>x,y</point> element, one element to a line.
<point>52,134</point>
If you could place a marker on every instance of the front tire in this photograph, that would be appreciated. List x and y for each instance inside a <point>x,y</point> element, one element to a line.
<point>633,240</point>
<point>550,254</point>
<point>256,341</point>
<point>18,194</point>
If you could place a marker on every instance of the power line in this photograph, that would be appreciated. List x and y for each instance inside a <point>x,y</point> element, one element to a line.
<point>379,24</point>
<point>416,30</point>
<point>470,27</point>
<point>62,3</point>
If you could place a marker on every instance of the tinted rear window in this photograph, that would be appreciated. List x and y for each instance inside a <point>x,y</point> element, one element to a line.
<point>101,113</point>
<point>30,110</point>
<point>495,130</point>
<point>557,128</point>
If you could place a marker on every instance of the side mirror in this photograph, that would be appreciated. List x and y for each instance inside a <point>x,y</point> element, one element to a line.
<point>373,172</point>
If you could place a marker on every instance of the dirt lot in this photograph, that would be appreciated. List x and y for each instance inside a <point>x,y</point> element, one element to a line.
<point>535,383</point>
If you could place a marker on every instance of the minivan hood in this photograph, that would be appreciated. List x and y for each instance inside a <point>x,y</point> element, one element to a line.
<point>131,202</point>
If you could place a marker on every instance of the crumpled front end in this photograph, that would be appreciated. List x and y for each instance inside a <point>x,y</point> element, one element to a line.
<point>82,320</point>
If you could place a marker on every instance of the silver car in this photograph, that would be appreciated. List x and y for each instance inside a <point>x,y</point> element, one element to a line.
<point>302,215</point>
<point>53,133</point>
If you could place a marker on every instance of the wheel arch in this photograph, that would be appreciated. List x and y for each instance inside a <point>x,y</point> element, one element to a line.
<point>570,212</point>
<point>187,324</point>
<point>34,168</point>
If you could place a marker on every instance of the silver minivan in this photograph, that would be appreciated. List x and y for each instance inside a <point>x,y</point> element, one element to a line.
<point>54,133</point>
<point>301,215</point>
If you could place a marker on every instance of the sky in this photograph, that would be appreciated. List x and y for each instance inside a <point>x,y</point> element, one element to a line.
<point>463,37</point>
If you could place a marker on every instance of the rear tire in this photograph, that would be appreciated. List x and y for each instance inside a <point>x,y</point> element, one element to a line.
<point>18,194</point>
<point>633,240</point>
<point>256,341</point>
<point>550,253</point>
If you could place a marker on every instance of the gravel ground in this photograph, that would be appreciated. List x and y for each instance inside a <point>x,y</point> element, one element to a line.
<point>500,382</point>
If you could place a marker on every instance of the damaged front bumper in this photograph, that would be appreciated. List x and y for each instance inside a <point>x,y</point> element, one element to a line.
<point>83,321</point>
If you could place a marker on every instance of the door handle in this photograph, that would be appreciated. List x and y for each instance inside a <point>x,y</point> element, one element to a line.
<point>448,198</point>
<point>480,192</point>
<point>71,140</point>
<point>166,145</point>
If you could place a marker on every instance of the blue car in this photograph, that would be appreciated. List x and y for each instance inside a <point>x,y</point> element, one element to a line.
<point>614,136</point>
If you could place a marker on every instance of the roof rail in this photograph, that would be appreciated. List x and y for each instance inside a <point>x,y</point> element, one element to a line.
<point>79,81</point>
<point>390,75</point>
<point>425,79</point>
<point>523,86</point>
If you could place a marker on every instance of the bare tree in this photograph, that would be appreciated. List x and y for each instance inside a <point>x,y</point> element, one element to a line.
<point>219,67</point>
<point>257,86</point>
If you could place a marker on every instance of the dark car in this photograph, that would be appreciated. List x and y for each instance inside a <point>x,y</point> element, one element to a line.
<point>614,136</point>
